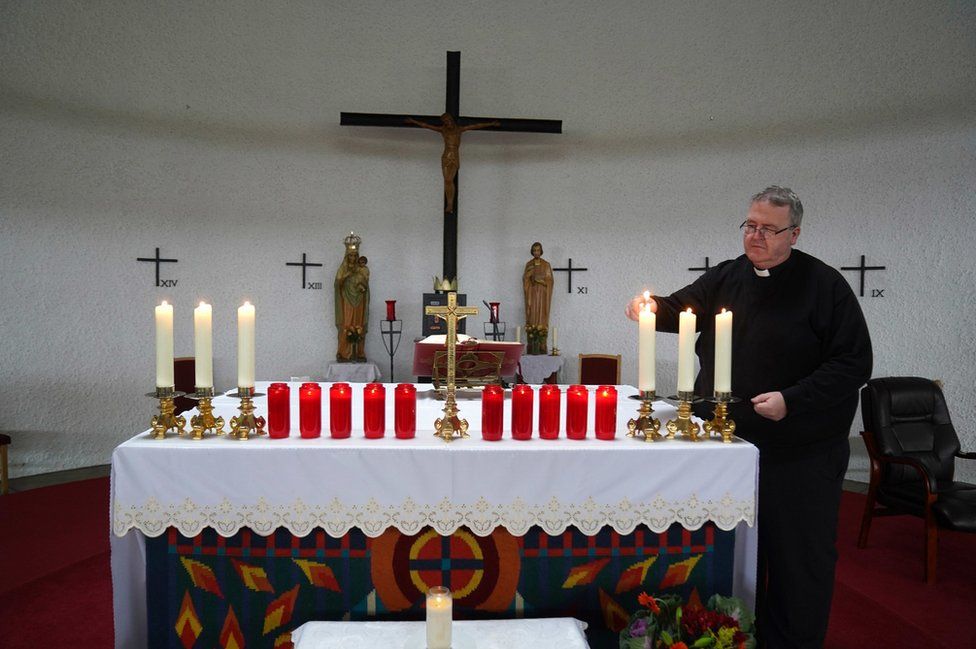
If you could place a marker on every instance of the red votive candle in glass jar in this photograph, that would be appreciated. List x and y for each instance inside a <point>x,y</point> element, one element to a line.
<point>577,404</point>
<point>340,410</point>
<point>492,409</point>
<point>606,412</point>
<point>310,410</point>
<point>279,410</point>
<point>549,397</point>
<point>374,410</point>
<point>391,310</point>
<point>405,410</point>
<point>522,411</point>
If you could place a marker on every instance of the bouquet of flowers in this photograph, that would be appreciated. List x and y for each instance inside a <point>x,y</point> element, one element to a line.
<point>354,334</point>
<point>664,623</point>
<point>536,337</point>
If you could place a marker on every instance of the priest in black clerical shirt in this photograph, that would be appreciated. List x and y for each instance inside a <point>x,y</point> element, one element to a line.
<point>800,353</point>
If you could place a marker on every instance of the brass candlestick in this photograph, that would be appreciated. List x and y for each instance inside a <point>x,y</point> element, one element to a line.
<point>244,424</point>
<point>720,424</point>
<point>683,425</point>
<point>450,426</point>
<point>554,352</point>
<point>645,425</point>
<point>166,419</point>
<point>205,422</point>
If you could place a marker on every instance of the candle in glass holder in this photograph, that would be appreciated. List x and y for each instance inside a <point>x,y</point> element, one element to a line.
<point>606,412</point>
<point>522,411</point>
<point>391,310</point>
<point>374,410</point>
<point>279,410</point>
<point>576,411</point>
<point>439,613</point>
<point>492,409</point>
<point>549,398</point>
<point>493,311</point>
<point>310,410</point>
<point>340,410</point>
<point>405,410</point>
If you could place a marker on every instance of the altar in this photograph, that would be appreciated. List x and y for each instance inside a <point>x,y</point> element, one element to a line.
<point>252,539</point>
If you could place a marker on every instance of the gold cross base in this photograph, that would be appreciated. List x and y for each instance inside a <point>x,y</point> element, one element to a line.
<point>450,426</point>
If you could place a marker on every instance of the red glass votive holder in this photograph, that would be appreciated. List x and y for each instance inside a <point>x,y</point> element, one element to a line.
<point>606,412</point>
<point>577,409</point>
<point>522,411</point>
<point>279,410</point>
<point>492,412</point>
<point>405,410</point>
<point>340,410</point>
<point>310,410</point>
<point>374,410</point>
<point>549,398</point>
<point>391,310</point>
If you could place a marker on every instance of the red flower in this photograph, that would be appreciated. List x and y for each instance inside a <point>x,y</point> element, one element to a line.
<point>679,645</point>
<point>646,600</point>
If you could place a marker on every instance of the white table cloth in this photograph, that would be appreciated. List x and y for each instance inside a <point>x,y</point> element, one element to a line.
<point>543,633</point>
<point>301,484</point>
<point>536,368</point>
<point>367,372</point>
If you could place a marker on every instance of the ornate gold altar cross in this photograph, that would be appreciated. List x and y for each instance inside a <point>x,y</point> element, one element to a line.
<point>447,426</point>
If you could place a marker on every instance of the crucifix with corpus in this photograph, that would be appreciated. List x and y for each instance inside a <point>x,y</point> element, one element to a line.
<point>451,124</point>
<point>449,424</point>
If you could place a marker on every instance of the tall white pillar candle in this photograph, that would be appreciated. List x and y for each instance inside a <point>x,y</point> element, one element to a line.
<point>686,351</point>
<point>555,338</point>
<point>518,334</point>
<point>723,351</point>
<point>646,327</point>
<point>245,346</point>
<point>164,345</point>
<point>439,611</point>
<point>203,345</point>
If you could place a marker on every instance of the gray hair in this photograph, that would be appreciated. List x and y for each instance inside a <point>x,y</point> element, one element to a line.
<point>781,196</point>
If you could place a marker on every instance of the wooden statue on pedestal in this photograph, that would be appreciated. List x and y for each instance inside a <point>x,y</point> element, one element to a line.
<point>537,283</point>
<point>352,303</point>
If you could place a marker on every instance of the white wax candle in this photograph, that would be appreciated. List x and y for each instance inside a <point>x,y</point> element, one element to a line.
<point>164,345</point>
<point>245,346</point>
<point>555,338</point>
<point>439,607</point>
<point>518,334</point>
<point>723,351</point>
<point>646,326</point>
<point>203,345</point>
<point>686,351</point>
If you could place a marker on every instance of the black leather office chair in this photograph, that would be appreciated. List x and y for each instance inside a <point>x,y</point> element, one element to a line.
<point>913,445</point>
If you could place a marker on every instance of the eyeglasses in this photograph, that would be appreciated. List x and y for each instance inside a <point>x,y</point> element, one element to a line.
<point>764,232</point>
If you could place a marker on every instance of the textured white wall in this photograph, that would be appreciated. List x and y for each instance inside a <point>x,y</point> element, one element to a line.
<point>211,130</point>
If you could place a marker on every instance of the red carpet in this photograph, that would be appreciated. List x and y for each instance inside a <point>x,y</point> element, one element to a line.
<point>56,586</point>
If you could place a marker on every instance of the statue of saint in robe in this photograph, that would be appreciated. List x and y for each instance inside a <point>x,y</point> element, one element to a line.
<point>352,302</point>
<point>537,283</point>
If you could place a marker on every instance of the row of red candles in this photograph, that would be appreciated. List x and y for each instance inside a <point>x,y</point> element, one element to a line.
<point>405,411</point>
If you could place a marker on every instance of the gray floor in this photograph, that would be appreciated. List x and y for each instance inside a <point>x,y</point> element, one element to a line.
<point>72,475</point>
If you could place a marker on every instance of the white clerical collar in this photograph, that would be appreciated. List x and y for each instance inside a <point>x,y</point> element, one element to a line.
<point>761,272</point>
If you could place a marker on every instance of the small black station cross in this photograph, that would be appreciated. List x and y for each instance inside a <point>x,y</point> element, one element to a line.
<point>863,269</point>
<point>453,109</point>
<point>569,270</point>
<point>158,260</point>
<point>304,264</point>
<point>704,268</point>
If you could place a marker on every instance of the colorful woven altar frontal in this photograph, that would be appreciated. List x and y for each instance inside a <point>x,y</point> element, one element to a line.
<point>251,591</point>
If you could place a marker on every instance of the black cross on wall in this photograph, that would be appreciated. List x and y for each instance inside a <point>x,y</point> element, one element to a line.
<point>304,264</point>
<point>863,269</point>
<point>158,260</point>
<point>704,268</point>
<point>569,270</point>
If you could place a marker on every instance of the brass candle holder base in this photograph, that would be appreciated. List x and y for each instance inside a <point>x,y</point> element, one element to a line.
<point>683,425</point>
<point>554,351</point>
<point>645,426</point>
<point>205,422</point>
<point>720,424</point>
<point>245,424</point>
<point>166,420</point>
<point>450,427</point>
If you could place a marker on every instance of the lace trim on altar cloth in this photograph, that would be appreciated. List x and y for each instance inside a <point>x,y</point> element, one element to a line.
<point>152,517</point>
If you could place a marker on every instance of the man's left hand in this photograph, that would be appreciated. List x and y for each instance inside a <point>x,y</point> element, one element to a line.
<point>770,405</point>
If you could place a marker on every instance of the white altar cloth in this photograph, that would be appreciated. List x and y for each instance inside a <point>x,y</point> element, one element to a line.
<point>536,368</point>
<point>543,633</point>
<point>302,484</point>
